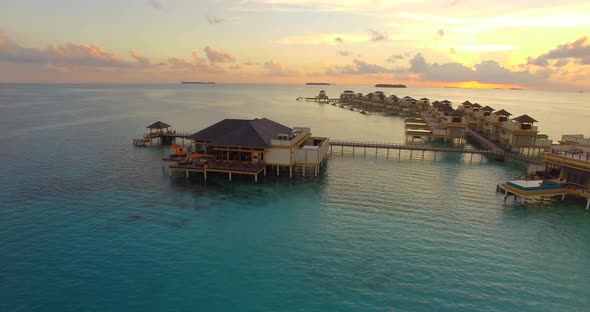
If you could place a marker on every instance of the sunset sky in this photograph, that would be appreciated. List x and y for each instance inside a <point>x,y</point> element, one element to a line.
<point>530,44</point>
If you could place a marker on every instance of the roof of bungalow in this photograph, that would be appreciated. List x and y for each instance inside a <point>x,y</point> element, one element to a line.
<point>435,103</point>
<point>256,133</point>
<point>446,101</point>
<point>457,113</point>
<point>159,125</point>
<point>524,119</point>
<point>380,92</point>
<point>424,99</point>
<point>348,91</point>
<point>475,105</point>
<point>487,109</point>
<point>447,108</point>
<point>502,112</point>
<point>467,103</point>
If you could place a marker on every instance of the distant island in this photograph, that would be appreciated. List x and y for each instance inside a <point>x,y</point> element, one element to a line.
<point>387,85</point>
<point>509,89</point>
<point>197,82</point>
<point>317,84</point>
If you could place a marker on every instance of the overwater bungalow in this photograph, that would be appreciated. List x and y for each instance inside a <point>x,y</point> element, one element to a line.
<point>567,172</point>
<point>496,122</point>
<point>480,117</point>
<point>250,147</point>
<point>347,95</point>
<point>520,135</point>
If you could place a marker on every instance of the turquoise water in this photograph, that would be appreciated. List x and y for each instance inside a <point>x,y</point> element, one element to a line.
<point>87,222</point>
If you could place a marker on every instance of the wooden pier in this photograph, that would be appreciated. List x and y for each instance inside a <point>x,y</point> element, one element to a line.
<point>322,100</point>
<point>388,147</point>
<point>162,134</point>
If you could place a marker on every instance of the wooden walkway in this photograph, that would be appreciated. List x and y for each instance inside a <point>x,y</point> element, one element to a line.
<point>484,141</point>
<point>497,154</point>
<point>161,137</point>
<point>174,134</point>
<point>498,150</point>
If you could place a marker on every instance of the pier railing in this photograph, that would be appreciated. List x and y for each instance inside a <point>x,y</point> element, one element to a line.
<point>396,146</point>
<point>498,154</point>
<point>169,134</point>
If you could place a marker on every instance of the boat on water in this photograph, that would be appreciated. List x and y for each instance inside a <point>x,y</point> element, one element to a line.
<point>363,112</point>
<point>351,109</point>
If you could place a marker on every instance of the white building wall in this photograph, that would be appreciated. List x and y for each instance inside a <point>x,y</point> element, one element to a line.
<point>306,156</point>
<point>277,156</point>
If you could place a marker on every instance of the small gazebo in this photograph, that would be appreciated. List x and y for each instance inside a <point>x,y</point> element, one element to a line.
<point>159,126</point>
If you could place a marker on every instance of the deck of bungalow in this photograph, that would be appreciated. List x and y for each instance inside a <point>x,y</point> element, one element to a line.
<point>218,166</point>
<point>567,172</point>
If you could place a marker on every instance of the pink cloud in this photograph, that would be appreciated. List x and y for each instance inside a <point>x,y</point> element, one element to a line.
<point>217,56</point>
<point>198,63</point>
<point>273,68</point>
<point>138,57</point>
<point>68,54</point>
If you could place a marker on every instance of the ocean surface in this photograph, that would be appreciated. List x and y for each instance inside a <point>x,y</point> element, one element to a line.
<point>90,223</point>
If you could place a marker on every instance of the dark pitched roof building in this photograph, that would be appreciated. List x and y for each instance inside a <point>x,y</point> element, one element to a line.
<point>525,119</point>
<point>502,112</point>
<point>158,125</point>
<point>255,133</point>
<point>457,113</point>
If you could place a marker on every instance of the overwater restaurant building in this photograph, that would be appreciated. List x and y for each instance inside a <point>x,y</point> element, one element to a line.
<point>254,146</point>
